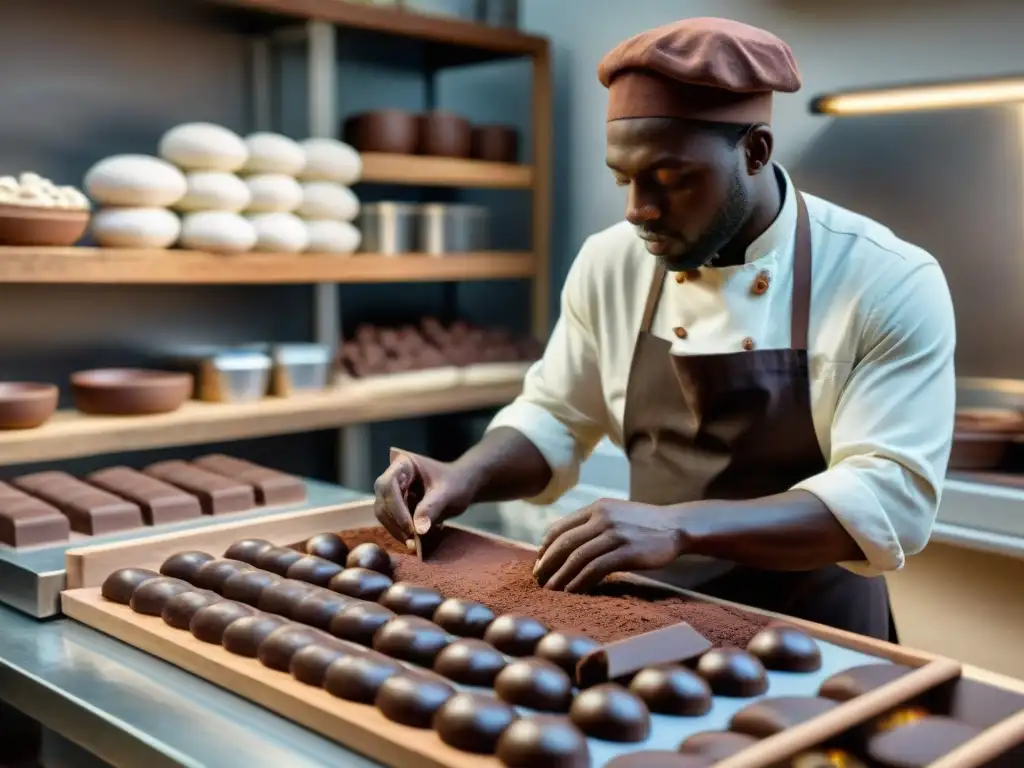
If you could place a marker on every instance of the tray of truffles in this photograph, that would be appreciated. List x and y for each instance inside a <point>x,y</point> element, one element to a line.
<point>433,356</point>
<point>460,659</point>
<point>43,514</point>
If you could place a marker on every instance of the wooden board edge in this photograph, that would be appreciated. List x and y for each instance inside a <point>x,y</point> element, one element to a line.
<point>365,729</point>
<point>88,566</point>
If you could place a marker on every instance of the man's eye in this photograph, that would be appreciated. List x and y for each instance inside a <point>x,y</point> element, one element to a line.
<point>667,177</point>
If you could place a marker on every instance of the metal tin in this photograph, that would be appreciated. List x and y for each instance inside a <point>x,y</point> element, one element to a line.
<point>452,228</point>
<point>300,368</point>
<point>388,228</point>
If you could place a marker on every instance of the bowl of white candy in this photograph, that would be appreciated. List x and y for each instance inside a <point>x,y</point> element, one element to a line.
<point>35,211</point>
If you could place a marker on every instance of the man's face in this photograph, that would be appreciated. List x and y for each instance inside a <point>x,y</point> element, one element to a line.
<point>688,187</point>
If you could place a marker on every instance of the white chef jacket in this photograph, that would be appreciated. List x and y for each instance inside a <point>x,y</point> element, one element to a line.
<point>881,343</point>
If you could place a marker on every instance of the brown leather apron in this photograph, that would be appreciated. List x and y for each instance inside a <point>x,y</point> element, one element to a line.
<point>738,425</point>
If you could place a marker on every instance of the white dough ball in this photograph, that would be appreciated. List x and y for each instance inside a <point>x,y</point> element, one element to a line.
<point>273,153</point>
<point>331,160</point>
<point>279,232</point>
<point>329,236</point>
<point>214,191</point>
<point>204,147</point>
<point>135,228</point>
<point>327,200</point>
<point>137,181</point>
<point>217,232</point>
<point>273,193</point>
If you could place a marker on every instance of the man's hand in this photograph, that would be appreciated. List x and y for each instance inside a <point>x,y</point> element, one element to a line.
<point>415,493</point>
<point>609,535</point>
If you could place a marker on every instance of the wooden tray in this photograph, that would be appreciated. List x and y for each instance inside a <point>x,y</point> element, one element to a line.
<point>362,727</point>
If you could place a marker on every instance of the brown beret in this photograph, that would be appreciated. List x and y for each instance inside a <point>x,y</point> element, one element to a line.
<point>701,69</point>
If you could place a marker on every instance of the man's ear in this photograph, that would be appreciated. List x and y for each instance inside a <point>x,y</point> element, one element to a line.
<point>758,145</point>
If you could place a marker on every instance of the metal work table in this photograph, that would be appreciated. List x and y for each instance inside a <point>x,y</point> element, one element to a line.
<point>92,692</point>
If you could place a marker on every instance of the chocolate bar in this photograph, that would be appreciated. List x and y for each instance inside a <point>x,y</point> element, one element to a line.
<point>272,488</point>
<point>26,521</point>
<point>89,510</point>
<point>675,643</point>
<point>217,494</point>
<point>161,502</point>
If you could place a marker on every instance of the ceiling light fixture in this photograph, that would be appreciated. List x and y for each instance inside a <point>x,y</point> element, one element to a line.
<point>914,98</point>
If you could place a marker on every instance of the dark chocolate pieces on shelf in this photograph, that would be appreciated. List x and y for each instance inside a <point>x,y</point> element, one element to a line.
<point>470,662</point>
<point>217,494</point>
<point>535,684</point>
<point>515,635</point>
<point>309,665</point>
<point>919,743</point>
<point>272,488</point>
<point>543,741</point>
<point>465,618</point>
<point>716,745</point>
<point>281,645</point>
<point>412,698</point>
<point>359,677</point>
<point>672,689</point>
<point>313,570</point>
<point>248,586</point>
<point>831,758</point>
<point>566,649</point>
<point>473,722</point>
<point>26,521</point>
<point>370,557</point>
<point>329,546</point>
<point>185,565</point>
<point>244,636</point>
<point>210,623</point>
<point>320,608</point>
<point>769,716</point>
<point>161,503</point>
<point>412,639</point>
<point>122,583</point>
<point>610,712</point>
<point>675,643</point>
<point>410,599</point>
<point>180,609</point>
<point>785,649</point>
<point>359,622</point>
<point>284,597</point>
<point>732,672</point>
<point>151,596</point>
<point>247,550</point>
<point>213,574</point>
<point>89,510</point>
<point>360,583</point>
<point>277,559</point>
<point>856,681</point>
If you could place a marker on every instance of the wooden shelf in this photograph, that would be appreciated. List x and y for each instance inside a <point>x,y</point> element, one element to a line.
<point>114,265</point>
<point>485,42</point>
<point>70,434</point>
<point>416,170</point>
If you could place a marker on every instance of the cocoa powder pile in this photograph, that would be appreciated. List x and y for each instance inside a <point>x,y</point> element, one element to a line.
<point>501,577</point>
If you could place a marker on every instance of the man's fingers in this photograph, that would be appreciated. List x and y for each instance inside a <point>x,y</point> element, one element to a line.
<point>592,573</point>
<point>385,519</point>
<point>580,558</point>
<point>562,548</point>
<point>390,490</point>
<point>559,527</point>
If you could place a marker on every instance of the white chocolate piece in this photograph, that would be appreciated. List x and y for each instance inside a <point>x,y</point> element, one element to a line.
<point>328,236</point>
<point>214,191</point>
<point>203,147</point>
<point>273,153</point>
<point>217,232</point>
<point>150,228</point>
<point>135,181</point>
<point>273,193</point>
<point>327,200</point>
<point>331,160</point>
<point>279,233</point>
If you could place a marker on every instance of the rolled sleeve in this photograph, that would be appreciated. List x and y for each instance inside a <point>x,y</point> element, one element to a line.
<point>561,409</point>
<point>893,426</point>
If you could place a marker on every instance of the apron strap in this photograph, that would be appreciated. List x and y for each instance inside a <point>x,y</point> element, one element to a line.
<point>800,317</point>
<point>653,296</point>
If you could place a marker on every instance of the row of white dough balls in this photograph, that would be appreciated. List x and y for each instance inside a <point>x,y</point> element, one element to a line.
<point>140,181</point>
<point>222,231</point>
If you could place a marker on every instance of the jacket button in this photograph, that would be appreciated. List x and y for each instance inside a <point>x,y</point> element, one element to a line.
<point>680,332</point>
<point>747,344</point>
<point>693,274</point>
<point>680,277</point>
<point>761,283</point>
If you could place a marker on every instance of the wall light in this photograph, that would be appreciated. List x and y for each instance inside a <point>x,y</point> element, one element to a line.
<point>911,98</point>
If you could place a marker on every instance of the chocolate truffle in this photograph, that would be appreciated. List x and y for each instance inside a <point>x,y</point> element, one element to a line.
<point>360,583</point>
<point>515,635</point>
<point>185,565</point>
<point>371,557</point>
<point>770,716</point>
<point>853,682</point>
<point>535,684</point>
<point>411,600</point>
<point>313,570</point>
<point>464,618</point>
<point>284,597</point>
<point>411,638</point>
<point>277,559</point>
<point>786,649</point>
<point>210,623</point>
<point>716,745</point>
<point>732,672</point>
<point>543,741</point>
<point>319,609</point>
<point>277,650</point>
<point>213,574</point>
<point>357,678</point>
<point>473,722</point>
<point>672,689</point>
<point>151,596</point>
<point>470,662</point>
<point>329,546</point>
<point>610,712</point>
<point>830,758</point>
<point>245,636</point>
<point>120,585</point>
<point>412,698</point>
<point>654,758</point>
<point>565,649</point>
<point>309,665</point>
<point>248,586</point>
<point>247,550</point>
<point>180,609</point>
<point>919,743</point>
<point>359,622</point>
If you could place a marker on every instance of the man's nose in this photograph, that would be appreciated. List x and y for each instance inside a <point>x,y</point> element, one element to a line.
<point>641,208</point>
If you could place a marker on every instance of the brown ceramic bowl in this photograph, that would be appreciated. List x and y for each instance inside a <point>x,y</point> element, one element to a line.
<point>384,130</point>
<point>26,404</point>
<point>496,143</point>
<point>129,391</point>
<point>977,451</point>
<point>24,225</point>
<point>443,134</point>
